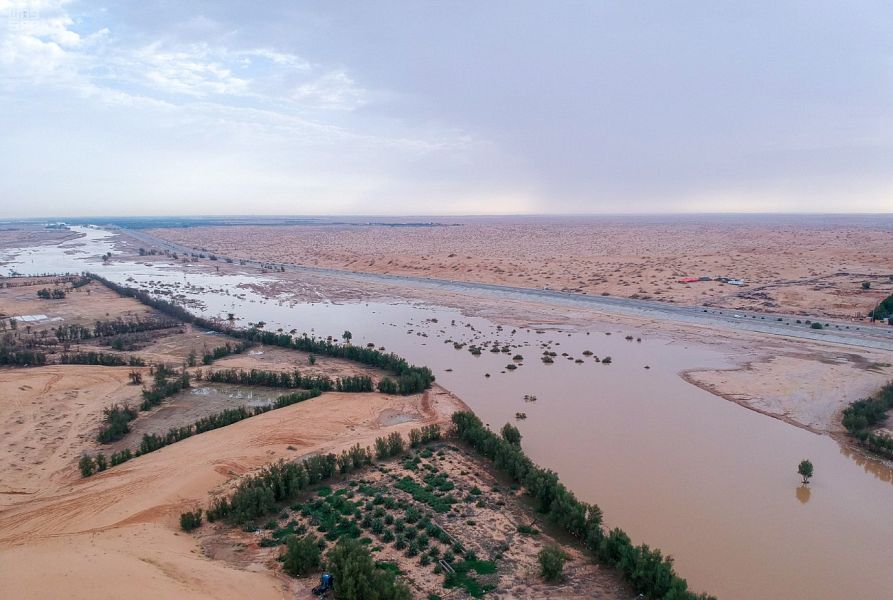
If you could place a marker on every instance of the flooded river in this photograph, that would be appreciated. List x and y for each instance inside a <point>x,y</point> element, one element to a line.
<point>706,480</point>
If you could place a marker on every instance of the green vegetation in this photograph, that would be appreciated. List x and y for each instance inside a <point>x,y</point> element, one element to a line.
<point>356,576</point>
<point>551,559</point>
<point>884,310</point>
<point>816,325</point>
<point>463,576</point>
<point>225,350</point>
<point>87,465</point>
<point>12,355</point>
<point>274,379</point>
<point>302,556</point>
<point>167,382</point>
<point>805,470</point>
<point>104,359</point>
<point>117,423</point>
<point>419,493</point>
<point>191,520</point>
<point>862,415</point>
<point>511,434</point>
<point>649,572</point>
<point>48,294</point>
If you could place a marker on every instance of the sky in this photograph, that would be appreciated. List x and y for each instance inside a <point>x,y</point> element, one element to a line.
<point>444,108</point>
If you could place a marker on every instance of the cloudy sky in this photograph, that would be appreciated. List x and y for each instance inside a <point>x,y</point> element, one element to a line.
<point>414,107</point>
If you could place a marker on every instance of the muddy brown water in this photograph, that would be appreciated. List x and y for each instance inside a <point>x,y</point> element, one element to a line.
<point>708,481</point>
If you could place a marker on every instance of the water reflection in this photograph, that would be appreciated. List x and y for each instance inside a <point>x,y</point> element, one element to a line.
<point>803,494</point>
<point>875,466</point>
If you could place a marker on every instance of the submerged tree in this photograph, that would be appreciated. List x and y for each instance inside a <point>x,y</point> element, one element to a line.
<point>805,470</point>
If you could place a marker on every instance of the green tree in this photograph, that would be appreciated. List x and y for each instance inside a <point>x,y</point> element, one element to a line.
<point>347,336</point>
<point>805,470</point>
<point>191,519</point>
<point>551,560</point>
<point>302,555</point>
<point>511,434</point>
<point>357,578</point>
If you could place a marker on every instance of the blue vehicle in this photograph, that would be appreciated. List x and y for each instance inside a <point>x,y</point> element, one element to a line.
<point>326,583</point>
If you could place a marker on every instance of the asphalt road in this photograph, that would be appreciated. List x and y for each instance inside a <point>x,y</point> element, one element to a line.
<point>853,333</point>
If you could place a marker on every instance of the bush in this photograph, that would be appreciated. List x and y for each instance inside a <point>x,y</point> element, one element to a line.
<point>86,465</point>
<point>302,555</point>
<point>191,519</point>
<point>356,576</point>
<point>816,325</point>
<point>551,560</point>
<point>511,434</point>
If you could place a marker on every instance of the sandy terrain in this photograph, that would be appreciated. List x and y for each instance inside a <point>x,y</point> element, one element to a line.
<point>61,534</point>
<point>813,267</point>
<point>64,535</point>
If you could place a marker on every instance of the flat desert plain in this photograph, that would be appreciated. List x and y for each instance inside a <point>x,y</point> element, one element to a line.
<point>796,265</point>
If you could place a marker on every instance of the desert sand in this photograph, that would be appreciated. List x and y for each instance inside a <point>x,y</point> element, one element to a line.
<point>795,265</point>
<point>64,535</point>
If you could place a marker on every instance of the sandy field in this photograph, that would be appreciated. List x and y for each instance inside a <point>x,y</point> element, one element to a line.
<point>814,266</point>
<point>64,535</point>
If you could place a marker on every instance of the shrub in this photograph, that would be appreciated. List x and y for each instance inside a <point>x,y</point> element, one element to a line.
<point>302,555</point>
<point>191,519</point>
<point>551,559</point>
<point>86,465</point>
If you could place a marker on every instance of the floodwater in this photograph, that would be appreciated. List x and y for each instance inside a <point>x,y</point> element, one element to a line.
<point>706,480</point>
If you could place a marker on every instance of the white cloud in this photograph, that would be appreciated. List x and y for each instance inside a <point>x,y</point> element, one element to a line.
<point>333,90</point>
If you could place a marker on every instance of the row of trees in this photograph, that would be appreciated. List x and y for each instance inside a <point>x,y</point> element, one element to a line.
<point>12,355</point>
<point>274,379</point>
<point>151,442</point>
<point>111,327</point>
<point>51,294</point>
<point>862,415</point>
<point>225,350</point>
<point>104,359</point>
<point>260,494</point>
<point>410,378</point>
<point>649,572</point>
